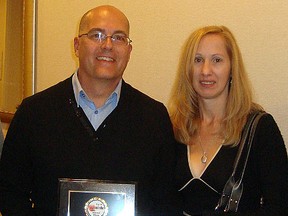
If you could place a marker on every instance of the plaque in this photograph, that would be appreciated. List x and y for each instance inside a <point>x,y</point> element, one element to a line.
<point>87,197</point>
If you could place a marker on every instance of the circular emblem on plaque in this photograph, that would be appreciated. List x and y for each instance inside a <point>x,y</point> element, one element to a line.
<point>96,207</point>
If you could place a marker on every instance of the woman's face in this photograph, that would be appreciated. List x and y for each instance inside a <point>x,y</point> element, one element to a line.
<point>211,68</point>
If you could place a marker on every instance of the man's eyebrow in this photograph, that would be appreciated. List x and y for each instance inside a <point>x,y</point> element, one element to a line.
<point>103,31</point>
<point>97,29</point>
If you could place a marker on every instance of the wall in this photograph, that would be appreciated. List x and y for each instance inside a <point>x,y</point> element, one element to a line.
<point>159,28</point>
<point>11,51</point>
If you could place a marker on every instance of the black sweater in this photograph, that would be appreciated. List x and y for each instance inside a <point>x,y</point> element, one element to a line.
<point>50,138</point>
<point>266,175</point>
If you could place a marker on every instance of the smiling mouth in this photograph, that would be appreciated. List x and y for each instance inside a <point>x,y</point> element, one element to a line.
<point>207,82</point>
<point>103,58</point>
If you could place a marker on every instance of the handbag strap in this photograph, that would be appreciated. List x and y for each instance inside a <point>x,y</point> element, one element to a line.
<point>249,130</point>
<point>232,190</point>
<point>250,140</point>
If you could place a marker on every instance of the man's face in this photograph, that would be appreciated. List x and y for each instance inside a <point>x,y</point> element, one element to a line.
<point>103,60</point>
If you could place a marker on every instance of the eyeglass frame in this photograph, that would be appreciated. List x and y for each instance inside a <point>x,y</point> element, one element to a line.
<point>105,36</point>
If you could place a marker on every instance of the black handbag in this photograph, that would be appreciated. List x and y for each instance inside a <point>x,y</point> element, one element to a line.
<point>233,188</point>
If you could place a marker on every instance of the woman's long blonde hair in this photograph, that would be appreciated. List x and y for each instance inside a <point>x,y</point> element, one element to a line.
<point>183,104</point>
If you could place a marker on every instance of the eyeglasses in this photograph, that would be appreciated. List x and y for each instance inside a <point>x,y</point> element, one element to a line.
<point>99,37</point>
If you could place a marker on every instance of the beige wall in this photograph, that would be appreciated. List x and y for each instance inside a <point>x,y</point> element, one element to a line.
<point>159,28</point>
<point>11,51</point>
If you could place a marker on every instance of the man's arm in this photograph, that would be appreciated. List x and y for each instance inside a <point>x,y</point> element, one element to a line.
<point>16,167</point>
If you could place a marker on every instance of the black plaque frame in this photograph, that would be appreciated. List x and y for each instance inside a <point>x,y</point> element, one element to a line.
<point>90,197</point>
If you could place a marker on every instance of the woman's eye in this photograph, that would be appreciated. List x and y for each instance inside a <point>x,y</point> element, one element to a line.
<point>197,60</point>
<point>216,60</point>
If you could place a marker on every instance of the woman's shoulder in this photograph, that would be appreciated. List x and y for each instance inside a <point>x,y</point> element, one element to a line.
<point>267,124</point>
<point>268,138</point>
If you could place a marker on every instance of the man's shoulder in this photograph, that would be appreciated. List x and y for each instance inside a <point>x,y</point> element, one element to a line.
<point>59,90</point>
<point>131,93</point>
<point>135,101</point>
<point>51,96</point>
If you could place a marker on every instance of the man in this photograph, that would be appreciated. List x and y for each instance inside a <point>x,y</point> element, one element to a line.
<point>92,125</point>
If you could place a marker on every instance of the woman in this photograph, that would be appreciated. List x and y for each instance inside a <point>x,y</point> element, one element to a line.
<point>209,106</point>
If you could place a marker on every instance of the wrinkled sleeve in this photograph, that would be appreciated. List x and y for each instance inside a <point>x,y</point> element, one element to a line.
<point>16,166</point>
<point>165,191</point>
